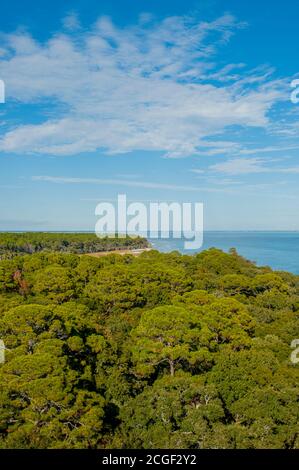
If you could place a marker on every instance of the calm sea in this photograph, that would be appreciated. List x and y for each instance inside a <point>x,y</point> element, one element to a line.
<point>279,250</point>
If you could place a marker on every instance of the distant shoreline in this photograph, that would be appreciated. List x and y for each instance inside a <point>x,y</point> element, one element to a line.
<point>146,236</point>
<point>134,252</point>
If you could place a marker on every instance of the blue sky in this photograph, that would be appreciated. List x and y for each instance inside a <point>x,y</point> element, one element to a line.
<point>169,101</point>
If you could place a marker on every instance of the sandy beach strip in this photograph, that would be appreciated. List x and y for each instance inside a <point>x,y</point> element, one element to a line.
<point>134,252</point>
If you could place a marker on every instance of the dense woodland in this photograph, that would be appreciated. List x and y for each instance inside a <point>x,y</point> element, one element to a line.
<point>12,244</point>
<point>155,351</point>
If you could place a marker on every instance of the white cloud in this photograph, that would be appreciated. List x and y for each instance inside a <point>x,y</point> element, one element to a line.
<point>123,182</point>
<point>240,166</point>
<point>71,22</point>
<point>245,166</point>
<point>116,182</point>
<point>150,86</point>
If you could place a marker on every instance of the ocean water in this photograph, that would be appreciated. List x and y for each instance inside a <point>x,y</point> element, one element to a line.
<point>279,250</point>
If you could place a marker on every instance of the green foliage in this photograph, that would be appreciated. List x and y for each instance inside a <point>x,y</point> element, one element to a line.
<point>165,335</point>
<point>12,244</point>
<point>156,351</point>
<point>176,412</point>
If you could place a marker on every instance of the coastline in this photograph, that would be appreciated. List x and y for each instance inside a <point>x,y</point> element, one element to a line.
<point>134,252</point>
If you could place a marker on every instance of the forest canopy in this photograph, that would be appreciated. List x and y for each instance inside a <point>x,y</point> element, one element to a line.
<point>15,243</point>
<point>156,351</point>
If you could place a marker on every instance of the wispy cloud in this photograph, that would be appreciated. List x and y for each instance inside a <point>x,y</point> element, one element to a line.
<point>153,86</point>
<point>114,182</point>
<point>240,166</point>
<point>71,22</point>
<point>122,182</point>
<point>246,166</point>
